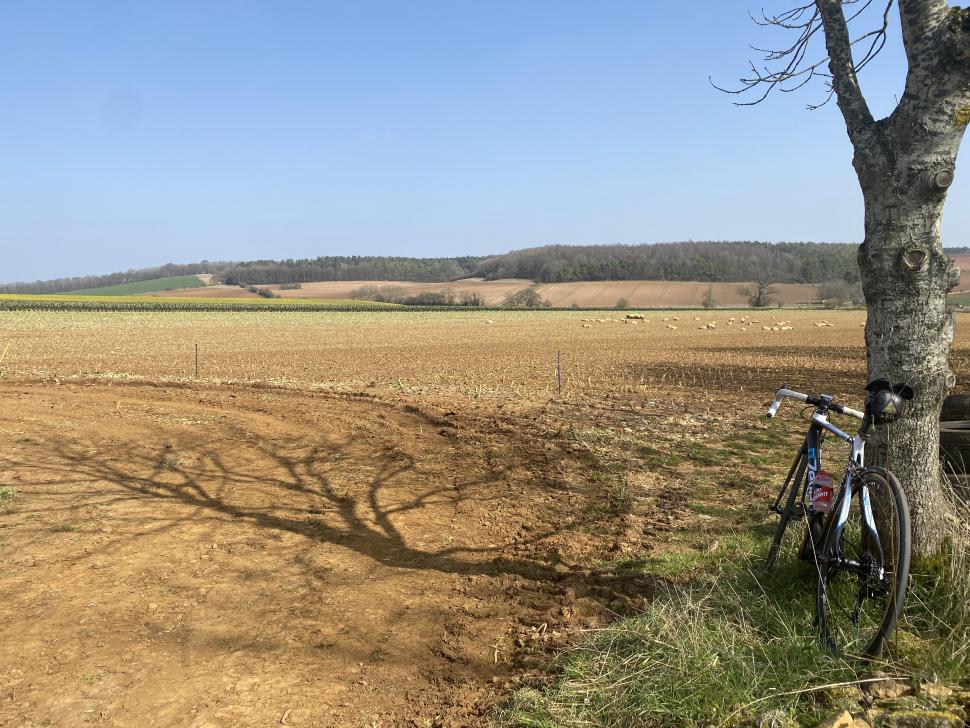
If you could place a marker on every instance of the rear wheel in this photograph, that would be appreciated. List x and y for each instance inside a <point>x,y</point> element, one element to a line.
<point>862,580</point>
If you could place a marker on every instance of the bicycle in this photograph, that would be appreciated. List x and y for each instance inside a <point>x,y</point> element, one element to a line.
<point>861,555</point>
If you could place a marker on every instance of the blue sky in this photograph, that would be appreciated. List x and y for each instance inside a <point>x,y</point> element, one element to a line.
<point>135,134</point>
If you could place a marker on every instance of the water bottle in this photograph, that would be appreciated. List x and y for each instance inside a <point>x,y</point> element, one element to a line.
<point>822,493</point>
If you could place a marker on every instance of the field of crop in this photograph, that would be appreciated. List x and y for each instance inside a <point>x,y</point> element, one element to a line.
<point>363,518</point>
<point>142,287</point>
<point>149,303</point>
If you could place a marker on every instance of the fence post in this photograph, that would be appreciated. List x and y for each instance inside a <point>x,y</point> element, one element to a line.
<point>558,373</point>
<point>196,361</point>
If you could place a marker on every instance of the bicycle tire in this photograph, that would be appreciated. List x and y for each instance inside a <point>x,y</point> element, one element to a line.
<point>863,632</point>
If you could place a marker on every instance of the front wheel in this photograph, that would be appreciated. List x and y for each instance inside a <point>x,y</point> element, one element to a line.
<point>863,574</point>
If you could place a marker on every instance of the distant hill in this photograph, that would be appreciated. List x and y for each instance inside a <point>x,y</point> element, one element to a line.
<point>152,285</point>
<point>712,262</point>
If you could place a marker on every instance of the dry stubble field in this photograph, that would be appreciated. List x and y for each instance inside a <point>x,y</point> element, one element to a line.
<point>354,519</point>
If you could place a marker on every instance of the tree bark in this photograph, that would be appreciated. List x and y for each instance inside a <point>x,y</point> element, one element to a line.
<point>905,164</point>
<point>906,277</point>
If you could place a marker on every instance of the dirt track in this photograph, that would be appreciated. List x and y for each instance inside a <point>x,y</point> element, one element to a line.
<point>192,556</point>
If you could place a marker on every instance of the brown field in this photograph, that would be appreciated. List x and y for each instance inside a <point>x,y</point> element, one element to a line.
<point>354,519</point>
<point>216,291</point>
<point>587,294</point>
<point>664,294</point>
<point>494,292</point>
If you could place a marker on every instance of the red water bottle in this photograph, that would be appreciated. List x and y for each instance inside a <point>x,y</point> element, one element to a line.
<point>822,492</point>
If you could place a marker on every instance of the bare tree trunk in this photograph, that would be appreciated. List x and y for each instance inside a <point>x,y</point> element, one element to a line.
<point>905,163</point>
<point>906,277</point>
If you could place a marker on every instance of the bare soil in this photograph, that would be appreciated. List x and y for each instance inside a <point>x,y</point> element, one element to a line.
<point>361,519</point>
<point>587,294</point>
<point>215,291</point>
<point>190,555</point>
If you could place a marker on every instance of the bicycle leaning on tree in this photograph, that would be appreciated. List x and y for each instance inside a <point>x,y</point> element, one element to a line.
<point>858,538</point>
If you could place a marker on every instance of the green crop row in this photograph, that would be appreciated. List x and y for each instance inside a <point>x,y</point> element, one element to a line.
<point>169,305</point>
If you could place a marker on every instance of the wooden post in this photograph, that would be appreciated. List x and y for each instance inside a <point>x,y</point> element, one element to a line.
<point>558,374</point>
<point>196,361</point>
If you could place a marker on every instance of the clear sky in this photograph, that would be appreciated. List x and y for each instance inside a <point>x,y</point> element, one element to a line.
<point>140,133</point>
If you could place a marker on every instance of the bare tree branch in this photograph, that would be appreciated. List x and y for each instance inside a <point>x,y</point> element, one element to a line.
<point>790,68</point>
<point>918,18</point>
<point>853,104</point>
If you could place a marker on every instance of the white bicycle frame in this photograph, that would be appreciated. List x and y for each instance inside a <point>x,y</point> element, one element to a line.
<point>856,461</point>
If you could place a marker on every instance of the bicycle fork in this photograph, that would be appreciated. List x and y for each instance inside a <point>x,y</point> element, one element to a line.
<point>871,568</point>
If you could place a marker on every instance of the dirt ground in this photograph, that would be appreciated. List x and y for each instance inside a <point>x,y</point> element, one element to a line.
<point>387,520</point>
<point>585,294</point>
<point>186,555</point>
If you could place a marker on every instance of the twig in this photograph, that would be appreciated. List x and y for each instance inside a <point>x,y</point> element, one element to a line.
<point>806,690</point>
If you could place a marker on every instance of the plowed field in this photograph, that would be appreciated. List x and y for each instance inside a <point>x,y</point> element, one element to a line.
<point>353,519</point>
<point>587,294</point>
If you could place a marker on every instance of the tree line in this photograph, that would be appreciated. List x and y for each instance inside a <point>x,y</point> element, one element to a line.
<point>690,261</point>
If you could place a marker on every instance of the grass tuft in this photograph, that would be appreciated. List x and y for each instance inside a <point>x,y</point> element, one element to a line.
<point>734,645</point>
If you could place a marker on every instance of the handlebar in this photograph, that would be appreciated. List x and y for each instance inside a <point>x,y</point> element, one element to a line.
<point>808,399</point>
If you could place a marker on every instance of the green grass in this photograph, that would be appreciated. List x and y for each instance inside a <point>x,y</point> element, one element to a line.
<point>66,527</point>
<point>6,492</point>
<point>141,287</point>
<point>728,641</point>
<point>729,646</point>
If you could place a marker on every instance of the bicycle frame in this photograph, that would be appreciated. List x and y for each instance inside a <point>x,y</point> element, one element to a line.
<point>810,457</point>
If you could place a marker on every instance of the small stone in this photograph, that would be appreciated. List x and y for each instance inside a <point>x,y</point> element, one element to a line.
<point>883,687</point>
<point>916,718</point>
<point>589,610</point>
<point>935,691</point>
<point>841,720</point>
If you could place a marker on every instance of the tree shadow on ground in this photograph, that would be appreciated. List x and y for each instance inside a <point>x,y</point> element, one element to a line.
<point>340,490</point>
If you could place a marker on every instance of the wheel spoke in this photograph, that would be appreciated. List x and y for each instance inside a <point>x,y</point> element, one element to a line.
<point>855,607</point>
